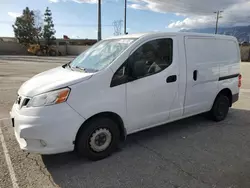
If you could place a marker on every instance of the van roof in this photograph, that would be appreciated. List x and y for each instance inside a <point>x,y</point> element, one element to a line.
<point>156,34</point>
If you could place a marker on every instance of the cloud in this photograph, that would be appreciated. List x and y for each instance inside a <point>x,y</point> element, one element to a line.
<point>14,14</point>
<point>76,1</point>
<point>196,21</point>
<point>198,13</point>
<point>235,15</point>
<point>137,6</point>
<point>188,6</point>
<point>134,1</point>
<point>85,1</point>
<point>54,1</point>
<point>180,14</point>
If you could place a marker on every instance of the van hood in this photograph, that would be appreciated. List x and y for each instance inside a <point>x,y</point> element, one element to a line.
<point>52,79</point>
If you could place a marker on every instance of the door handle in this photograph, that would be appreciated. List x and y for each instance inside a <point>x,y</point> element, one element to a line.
<point>171,78</point>
<point>195,75</point>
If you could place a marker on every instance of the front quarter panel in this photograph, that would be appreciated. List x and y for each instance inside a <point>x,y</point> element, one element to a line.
<point>95,96</point>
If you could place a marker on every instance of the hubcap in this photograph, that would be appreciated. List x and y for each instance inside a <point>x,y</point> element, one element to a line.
<point>100,140</point>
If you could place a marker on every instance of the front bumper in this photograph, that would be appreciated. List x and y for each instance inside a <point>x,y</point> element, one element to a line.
<point>46,130</point>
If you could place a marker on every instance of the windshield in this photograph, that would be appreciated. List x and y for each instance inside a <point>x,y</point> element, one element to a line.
<point>100,55</point>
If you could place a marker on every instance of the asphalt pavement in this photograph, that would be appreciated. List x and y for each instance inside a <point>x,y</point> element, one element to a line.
<point>194,152</point>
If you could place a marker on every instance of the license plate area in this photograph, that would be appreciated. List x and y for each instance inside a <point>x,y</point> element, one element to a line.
<point>13,122</point>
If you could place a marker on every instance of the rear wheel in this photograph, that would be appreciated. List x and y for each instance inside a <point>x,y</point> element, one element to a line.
<point>220,108</point>
<point>98,139</point>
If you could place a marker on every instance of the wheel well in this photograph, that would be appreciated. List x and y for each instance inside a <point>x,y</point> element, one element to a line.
<point>115,117</point>
<point>227,92</point>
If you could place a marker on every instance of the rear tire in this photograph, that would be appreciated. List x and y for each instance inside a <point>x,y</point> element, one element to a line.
<point>220,108</point>
<point>98,139</point>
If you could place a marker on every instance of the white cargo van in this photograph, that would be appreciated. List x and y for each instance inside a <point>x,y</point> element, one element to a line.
<point>123,85</point>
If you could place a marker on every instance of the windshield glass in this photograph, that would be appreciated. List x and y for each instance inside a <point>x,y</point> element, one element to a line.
<point>100,55</point>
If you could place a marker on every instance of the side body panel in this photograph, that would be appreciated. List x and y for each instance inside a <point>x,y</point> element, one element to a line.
<point>230,66</point>
<point>212,58</point>
<point>201,91</point>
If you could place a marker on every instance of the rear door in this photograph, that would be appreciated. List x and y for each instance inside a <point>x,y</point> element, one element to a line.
<point>202,74</point>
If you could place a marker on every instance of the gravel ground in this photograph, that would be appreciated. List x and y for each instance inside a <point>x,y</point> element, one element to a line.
<point>193,152</point>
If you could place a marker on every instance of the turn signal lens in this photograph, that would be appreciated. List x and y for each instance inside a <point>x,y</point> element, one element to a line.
<point>62,96</point>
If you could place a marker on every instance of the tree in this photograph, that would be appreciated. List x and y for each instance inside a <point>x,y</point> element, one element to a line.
<point>24,27</point>
<point>48,29</point>
<point>38,24</point>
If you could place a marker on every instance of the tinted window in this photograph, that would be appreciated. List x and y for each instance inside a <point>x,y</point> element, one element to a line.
<point>150,58</point>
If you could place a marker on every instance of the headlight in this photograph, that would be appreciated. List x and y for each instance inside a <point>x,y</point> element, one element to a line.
<point>53,97</point>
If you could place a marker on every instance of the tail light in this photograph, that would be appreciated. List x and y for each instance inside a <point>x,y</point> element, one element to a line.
<point>239,80</point>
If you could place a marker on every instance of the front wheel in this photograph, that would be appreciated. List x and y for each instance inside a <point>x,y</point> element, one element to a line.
<point>98,139</point>
<point>220,108</point>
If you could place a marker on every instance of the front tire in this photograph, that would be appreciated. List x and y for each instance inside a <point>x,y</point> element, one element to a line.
<point>220,108</point>
<point>98,139</point>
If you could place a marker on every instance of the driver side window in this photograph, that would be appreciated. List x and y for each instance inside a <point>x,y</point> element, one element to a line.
<point>150,58</point>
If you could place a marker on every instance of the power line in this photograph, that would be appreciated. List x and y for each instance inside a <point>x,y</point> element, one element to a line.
<point>117,27</point>
<point>218,16</point>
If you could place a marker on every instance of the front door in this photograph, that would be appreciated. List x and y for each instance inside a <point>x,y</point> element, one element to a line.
<point>151,96</point>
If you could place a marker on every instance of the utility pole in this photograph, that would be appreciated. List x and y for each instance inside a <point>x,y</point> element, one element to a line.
<point>99,35</point>
<point>218,16</point>
<point>125,17</point>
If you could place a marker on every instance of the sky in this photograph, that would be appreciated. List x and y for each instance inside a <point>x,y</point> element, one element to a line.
<point>78,18</point>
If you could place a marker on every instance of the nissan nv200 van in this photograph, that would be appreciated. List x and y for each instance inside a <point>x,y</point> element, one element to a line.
<point>123,85</point>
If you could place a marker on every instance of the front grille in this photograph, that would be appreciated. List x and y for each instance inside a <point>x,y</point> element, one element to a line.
<point>22,101</point>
